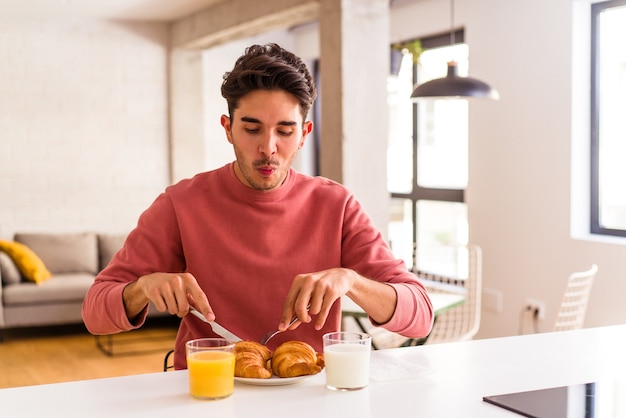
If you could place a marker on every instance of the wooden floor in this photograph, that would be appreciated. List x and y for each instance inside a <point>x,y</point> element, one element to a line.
<point>59,354</point>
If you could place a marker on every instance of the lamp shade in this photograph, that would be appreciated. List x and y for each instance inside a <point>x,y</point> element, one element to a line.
<point>453,87</point>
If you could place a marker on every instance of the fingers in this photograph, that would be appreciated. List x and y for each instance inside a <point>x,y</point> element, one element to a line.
<point>199,300</point>
<point>297,303</point>
<point>174,292</point>
<point>313,294</point>
<point>288,311</point>
<point>323,315</point>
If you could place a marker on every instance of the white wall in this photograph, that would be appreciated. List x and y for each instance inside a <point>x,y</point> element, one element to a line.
<point>83,124</point>
<point>522,178</point>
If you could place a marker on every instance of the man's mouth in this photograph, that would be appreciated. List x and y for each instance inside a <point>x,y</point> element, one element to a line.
<point>266,171</point>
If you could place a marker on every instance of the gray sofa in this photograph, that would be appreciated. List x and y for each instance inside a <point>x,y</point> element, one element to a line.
<point>73,259</point>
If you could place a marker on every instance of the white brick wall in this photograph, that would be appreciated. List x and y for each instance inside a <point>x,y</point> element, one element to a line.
<point>83,124</point>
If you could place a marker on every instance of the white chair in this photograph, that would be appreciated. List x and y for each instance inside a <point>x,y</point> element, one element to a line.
<point>571,314</point>
<point>459,269</point>
<point>461,322</point>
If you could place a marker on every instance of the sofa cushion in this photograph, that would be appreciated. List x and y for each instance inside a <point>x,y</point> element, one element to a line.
<point>64,253</point>
<point>8,270</point>
<point>108,245</point>
<point>26,260</point>
<point>60,288</point>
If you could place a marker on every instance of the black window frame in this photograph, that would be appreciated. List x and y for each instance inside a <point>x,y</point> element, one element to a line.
<point>595,224</point>
<point>418,192</point>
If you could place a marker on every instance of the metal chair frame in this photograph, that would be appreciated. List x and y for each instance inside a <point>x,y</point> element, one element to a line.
<point>167,366</point>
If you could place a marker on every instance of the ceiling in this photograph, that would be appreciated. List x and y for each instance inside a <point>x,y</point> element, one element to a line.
<point>151,10</point>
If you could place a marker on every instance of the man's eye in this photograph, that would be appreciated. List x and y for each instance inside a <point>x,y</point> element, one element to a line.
<point>283,133</point>
<point>252,130</point>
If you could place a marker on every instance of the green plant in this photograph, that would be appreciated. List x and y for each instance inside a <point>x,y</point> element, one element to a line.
<point>413,47</point>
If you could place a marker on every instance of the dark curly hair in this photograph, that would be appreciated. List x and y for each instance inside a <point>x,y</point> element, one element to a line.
<point>269,67</point>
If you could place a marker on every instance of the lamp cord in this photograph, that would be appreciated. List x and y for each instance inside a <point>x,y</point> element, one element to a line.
<point>452,40</point>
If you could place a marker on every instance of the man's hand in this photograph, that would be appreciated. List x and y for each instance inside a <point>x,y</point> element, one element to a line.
<point>171,292</point>
<point>315,293</point>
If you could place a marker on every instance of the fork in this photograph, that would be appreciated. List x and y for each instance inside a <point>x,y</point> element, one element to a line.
<point>271,334</point>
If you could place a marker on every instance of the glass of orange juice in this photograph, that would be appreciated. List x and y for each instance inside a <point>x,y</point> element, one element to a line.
<point>211,367</point>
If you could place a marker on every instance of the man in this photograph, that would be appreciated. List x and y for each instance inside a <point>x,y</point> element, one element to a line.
<point>254,243</point>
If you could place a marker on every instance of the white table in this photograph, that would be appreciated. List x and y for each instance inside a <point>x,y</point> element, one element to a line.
<point>440,380</point>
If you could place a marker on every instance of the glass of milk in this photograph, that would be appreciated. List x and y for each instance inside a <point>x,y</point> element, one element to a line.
<point>347,358</point>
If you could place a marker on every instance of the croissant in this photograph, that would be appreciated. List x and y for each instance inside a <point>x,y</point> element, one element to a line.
<point>252,360</point>
<point>296,358</point>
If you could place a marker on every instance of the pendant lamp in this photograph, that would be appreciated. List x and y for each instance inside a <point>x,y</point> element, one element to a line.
<point>452,86</point>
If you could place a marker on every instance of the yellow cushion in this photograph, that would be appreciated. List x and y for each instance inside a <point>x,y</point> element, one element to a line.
<point>28,263</point>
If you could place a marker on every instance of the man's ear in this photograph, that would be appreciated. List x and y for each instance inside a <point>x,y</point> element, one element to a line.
<point>306,130</point>
<point>225,121</point>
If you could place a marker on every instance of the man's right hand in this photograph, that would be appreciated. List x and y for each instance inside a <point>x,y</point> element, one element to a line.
<point>171,292</point>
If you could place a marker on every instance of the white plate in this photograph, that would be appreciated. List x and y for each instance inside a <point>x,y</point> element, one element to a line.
<point>272,381</point>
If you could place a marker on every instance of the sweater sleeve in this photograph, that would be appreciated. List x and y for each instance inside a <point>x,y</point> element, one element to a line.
<point>413,316</point>
<point>365,251</point>
<point>154,245</point>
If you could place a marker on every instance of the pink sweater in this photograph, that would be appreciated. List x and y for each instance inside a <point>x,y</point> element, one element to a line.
<point>245,247</point>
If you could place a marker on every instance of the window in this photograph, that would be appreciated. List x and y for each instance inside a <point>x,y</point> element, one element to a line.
<point>427,159</point>
<point>608,121</point>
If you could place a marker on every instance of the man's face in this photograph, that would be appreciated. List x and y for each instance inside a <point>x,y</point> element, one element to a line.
<point>266,132</point>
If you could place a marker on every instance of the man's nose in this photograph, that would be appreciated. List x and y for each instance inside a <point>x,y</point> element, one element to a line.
<point>268,144</point>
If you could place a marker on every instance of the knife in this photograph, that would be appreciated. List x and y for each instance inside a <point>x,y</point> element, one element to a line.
<point>217,328</point>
